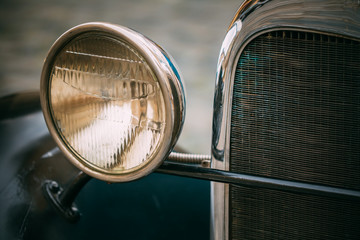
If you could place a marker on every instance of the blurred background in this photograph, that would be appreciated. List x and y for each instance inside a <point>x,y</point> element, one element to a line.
<point>191,31</point>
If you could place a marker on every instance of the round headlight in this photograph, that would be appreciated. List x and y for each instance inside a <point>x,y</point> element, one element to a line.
<point>113,101</point>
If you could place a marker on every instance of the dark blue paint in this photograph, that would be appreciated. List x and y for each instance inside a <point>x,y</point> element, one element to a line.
<point>155,207</point>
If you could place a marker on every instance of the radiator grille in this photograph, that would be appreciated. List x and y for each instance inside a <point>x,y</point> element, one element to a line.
<point>296,116</point>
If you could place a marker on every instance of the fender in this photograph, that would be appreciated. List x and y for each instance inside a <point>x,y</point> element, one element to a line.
<point>158,206</point>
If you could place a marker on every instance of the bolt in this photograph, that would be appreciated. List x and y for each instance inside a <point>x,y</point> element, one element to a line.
<point>54,187</point>
<point>205,163</point>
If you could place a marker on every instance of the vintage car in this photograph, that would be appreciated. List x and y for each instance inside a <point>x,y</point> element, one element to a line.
<point>285,158</point>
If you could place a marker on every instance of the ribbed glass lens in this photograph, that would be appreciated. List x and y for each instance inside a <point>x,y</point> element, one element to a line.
<point>106,103</point>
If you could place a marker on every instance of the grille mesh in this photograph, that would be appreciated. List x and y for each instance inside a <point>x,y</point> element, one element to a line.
<point>296,116</point>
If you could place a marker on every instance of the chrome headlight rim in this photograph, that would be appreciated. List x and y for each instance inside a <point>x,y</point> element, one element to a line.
<point>165,72</point>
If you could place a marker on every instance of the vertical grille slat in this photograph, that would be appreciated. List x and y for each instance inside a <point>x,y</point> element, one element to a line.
<point>296,116</point>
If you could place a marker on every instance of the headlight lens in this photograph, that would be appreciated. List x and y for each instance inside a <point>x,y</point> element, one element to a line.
<point>107,103</point>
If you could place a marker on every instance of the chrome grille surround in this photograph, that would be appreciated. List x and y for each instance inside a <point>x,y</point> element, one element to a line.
<point>337,18</point>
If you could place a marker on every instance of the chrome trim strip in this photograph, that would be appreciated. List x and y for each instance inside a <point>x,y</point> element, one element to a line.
<point>166,72</point>
<point>253,181</point>
<point>335,17</point>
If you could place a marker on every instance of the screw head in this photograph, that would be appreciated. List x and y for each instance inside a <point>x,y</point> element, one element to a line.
<point>54,187</point>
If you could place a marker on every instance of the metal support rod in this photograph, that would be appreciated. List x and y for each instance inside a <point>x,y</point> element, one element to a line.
<point>63,200</point>
<point>256,181</point>
<point>190,158</point>
<point>69,195</point>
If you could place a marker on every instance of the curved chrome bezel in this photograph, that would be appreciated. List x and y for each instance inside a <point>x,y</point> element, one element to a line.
<point>254,17</point>
<point>164,69</point>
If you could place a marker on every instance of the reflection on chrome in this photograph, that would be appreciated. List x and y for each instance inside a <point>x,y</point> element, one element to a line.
<point>106,103</point>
